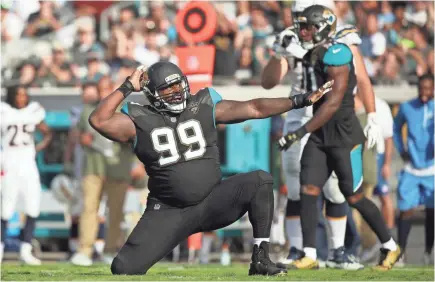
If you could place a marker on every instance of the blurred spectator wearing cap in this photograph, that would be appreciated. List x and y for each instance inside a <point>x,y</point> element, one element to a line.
<point>86,43</point>
<point>44,21</point>
<point>11,24</point>
<point>54,69</point>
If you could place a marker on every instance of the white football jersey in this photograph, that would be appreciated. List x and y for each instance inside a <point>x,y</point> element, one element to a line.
<point>18,127</point>
<point>347,34</point>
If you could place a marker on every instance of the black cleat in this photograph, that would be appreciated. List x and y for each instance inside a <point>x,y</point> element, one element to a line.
<point>261,263</point>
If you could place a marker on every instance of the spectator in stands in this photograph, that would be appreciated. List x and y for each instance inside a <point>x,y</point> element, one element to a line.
<point>386,17</point>
<point>344,13</point>
<point>127,16</point>
<point>225,57</point>
<point>127,67</point>
<point>271,11</point>
<point>244,70</point>
<point>430,61</point>
<point>167,54</point>
<point>148,54</point>
<point>44,21</point>
<point>44,76</point>
<point>73,165</point>
<point>373,44</point>
<point>117,179</point>
<point>61,68</point>
<point>24,75</point>
<point>86,43</point>
<point>96,150</point>
<point>11,25</point>
<point>96,67</point>
<point>162,23</point>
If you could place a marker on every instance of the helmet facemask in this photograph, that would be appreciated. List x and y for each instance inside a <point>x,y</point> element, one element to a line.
<point>322,29</point>
<point>172,95</point>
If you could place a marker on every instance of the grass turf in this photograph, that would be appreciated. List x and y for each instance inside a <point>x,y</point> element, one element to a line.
<point>176,272</point>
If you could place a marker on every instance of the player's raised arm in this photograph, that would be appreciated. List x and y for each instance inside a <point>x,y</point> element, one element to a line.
<point>228,111</point>
<point>112,125</point>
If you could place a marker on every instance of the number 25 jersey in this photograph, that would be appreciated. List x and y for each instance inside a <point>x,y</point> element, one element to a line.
<point>17,128</point>
<point>179,151</point>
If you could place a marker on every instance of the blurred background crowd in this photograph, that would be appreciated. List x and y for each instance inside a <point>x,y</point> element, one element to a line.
<point>68,43</point>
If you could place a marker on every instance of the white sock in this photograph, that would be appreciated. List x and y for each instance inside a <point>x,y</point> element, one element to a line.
<point>99,246</point>
<point>294,232</point>
<point>311,253</point>
<point>25,248</point>
<point>2,249</point>
<point>73,245</point>
<point>390,245</point>
<point>337,228</point>
<point>257,241</point>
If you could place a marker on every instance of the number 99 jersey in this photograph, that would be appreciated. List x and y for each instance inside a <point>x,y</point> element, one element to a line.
<point>179,151</point>
<point>18,127</point>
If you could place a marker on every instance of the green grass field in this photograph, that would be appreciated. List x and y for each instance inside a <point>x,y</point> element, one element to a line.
<point>177,272</point>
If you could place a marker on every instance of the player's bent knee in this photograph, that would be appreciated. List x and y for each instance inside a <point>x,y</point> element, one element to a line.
<point>352,200</point>
<point>311,190</point>
<point>119,267</point>
<point>264,176</point>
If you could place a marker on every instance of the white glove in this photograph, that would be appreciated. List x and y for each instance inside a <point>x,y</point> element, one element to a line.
<point>287,44</point>
<point>373,133</point>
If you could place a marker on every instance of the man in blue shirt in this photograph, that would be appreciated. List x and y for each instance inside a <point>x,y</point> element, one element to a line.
<point>416,184</point>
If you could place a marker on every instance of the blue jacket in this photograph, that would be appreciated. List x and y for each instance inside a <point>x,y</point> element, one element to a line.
<point>420,141</point>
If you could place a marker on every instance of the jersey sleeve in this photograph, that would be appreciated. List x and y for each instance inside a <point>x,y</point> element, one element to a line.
<point>38,112</point>
<point>338,55</point>
<point>215,98</point>
<point>348,35</point>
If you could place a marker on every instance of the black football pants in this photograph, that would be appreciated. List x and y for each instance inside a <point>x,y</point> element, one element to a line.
<point>162,227</point>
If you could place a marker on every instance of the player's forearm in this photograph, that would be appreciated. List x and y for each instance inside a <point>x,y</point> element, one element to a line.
<point>365,92</point>
<point>273,72</point>
<point>268,107</point>
<point>325,113</point>
<point>106,109</point>
<point>45,141</point>
<point>365,89</point>
<point>388,155</point>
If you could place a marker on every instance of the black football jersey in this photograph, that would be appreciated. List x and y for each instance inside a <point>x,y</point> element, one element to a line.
<point>343,128</point>
<point>179,151</point>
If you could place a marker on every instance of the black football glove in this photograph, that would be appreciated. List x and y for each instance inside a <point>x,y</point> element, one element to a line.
<point>287,140</point>
<point>309,98</point>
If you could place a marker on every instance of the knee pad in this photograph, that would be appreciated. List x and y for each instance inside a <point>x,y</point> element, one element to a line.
<point>336,210</point>
<point>118,267</point>
<point>332,192</point>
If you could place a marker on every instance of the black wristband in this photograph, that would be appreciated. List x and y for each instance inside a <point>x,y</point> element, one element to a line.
<point>126,87</point>
<point>301,100</point>
<point>301,132</point>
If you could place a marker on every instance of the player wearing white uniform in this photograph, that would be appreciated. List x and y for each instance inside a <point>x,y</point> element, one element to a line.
<point>303,79</point>
<point>19,119</point>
